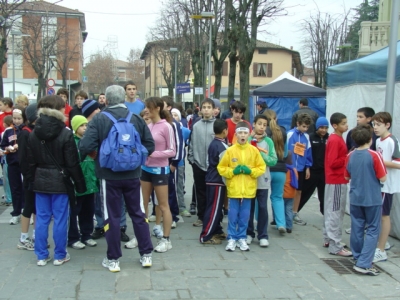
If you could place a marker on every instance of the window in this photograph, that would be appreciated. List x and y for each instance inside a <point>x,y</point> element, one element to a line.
<point>18,61</point>
<point>224,68</point>
<point>262,70</point>
<point>147,72</point>
<point>262,51</point>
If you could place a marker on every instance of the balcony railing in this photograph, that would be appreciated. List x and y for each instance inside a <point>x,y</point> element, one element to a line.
<point>373,37</point>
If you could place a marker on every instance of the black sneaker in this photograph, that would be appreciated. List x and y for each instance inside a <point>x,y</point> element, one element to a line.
<point>98,233</point>
<point>124,237</point>
<point>192,209</point>
<point>273,222</point>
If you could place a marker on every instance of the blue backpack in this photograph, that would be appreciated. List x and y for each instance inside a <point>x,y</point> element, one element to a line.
<point>122,150</point>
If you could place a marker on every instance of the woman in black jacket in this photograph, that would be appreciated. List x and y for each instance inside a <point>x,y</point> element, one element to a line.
<point>51,147</point>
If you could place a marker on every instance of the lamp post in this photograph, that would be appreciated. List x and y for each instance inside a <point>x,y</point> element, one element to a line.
<point>69,84</point>
<point>161,67</point>
<point>176,54</point>
<point>208,16</point>
<point>13,34</point>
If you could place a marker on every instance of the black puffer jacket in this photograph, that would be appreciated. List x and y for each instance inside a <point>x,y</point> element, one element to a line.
<point>50,129</point>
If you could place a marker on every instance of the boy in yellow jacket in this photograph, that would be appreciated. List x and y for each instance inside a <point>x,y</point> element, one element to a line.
<point>241,165</point>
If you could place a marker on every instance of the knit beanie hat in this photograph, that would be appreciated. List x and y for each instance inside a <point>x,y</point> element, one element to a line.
<point>31,112</point>
<point>77,122</point>
<point>217,103</point>
<point>321,122</point>
<point>175,110</point>
<point>89,106</point>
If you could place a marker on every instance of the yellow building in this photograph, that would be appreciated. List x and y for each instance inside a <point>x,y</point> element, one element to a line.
<point>375,35</point>
<point>269,61</point>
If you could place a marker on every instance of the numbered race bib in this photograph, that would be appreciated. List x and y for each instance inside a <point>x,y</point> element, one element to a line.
<point>299,149</point>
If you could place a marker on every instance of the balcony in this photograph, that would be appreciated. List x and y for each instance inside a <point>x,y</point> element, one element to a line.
<point>373,37</point>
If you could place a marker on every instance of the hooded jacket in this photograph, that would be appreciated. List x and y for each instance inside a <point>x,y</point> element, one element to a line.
<point>200,139</point>
<point>241,186</point>
<point>43,173</point>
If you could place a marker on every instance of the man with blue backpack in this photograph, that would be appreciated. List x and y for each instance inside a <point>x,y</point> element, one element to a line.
<point>124,141</point>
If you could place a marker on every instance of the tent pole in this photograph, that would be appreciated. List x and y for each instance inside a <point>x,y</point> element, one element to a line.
<point>391,70</point>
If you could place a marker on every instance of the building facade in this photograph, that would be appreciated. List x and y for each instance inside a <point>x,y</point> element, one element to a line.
<point>42,23</point>
<point>269,61</point>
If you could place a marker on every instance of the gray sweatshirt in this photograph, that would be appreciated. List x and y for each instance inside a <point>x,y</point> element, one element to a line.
<point>201,136</point>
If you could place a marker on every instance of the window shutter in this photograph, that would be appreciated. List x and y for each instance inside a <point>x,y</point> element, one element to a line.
<point>255,69</point>
<point>225,68</point>
<point>269,70</point>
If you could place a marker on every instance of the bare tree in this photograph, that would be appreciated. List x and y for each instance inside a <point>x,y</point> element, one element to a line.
<point>44,33</point>
<point>136,69</point>
<point>8,10</point>
<point>247,16</point>
<point>100,71</point>
<point>324,35</point>
<point>67,52</point>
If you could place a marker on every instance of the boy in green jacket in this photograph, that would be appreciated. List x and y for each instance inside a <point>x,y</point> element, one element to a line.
<point>84,208</point>
<point>265,145</point>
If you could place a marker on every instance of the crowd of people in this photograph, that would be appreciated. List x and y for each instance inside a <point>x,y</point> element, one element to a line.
<point>105,158</point>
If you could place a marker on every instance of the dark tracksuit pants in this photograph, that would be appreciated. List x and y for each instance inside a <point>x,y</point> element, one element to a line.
<point>84,210</point>
<point>199,177</point>
<point>316,180</point>
<point>262,222</point>
<point>172,195</point>
<point>213,213</point>
<point>30,203</point>
<point>16,187</point>
<point>111,192</point>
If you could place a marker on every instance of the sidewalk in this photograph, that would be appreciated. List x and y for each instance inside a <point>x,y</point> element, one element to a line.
<point>290,268</point>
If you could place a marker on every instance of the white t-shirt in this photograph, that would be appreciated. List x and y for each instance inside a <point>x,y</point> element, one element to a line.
<point>390,150</point>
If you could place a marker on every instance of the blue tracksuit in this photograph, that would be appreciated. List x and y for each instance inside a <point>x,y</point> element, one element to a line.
<point>300,162</point>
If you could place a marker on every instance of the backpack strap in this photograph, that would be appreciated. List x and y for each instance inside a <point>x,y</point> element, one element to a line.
<point>110,116</point>
<point>26,128</point>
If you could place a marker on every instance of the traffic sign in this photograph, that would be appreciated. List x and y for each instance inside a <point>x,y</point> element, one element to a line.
<point>50,82</point>
<point>50,91</point>
<point>182,88</point>
<point>198,91</point>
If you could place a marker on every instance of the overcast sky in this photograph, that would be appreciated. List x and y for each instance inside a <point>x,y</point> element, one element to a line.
<point>128,22</point>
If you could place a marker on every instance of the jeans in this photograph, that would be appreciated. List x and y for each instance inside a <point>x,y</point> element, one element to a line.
<point>277,183</point>
<point>6,184</point>
<point>289,212</point>
<point>180,188</point>
<point>98,212</point>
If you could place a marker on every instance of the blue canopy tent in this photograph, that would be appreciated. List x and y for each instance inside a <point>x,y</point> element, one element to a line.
<point>283,94</point>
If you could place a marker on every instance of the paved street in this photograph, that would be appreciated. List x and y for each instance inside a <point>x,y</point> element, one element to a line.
<point>290,268</point>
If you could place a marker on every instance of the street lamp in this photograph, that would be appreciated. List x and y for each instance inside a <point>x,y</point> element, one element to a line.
<point>69,84</point>
<point>13,34</point>
<point>161,67</point>
<point>176,54</point>
<point>208,16</point>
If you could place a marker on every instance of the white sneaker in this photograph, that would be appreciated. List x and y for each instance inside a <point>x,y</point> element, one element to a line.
<point>15,220</point>
<point>231,245</point>
<point>90,243</point>
<point>163,246</point>
<point>158,231</point>
<point>78,245</point>
<point>146,260</point>
<point>173,225</point>
<point>111,264</point>
<point>152,218</point>
<point>380,256</point>
<point>43,262</point>
<point>264,243</point>
<point>59,262</point>
<point>348,230</point>
<point>185,213</point>
<point>31,221</point>
<point>249,239</point>
<point>133,243</point>
<point>388,246</point>
<point>242,245</point>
